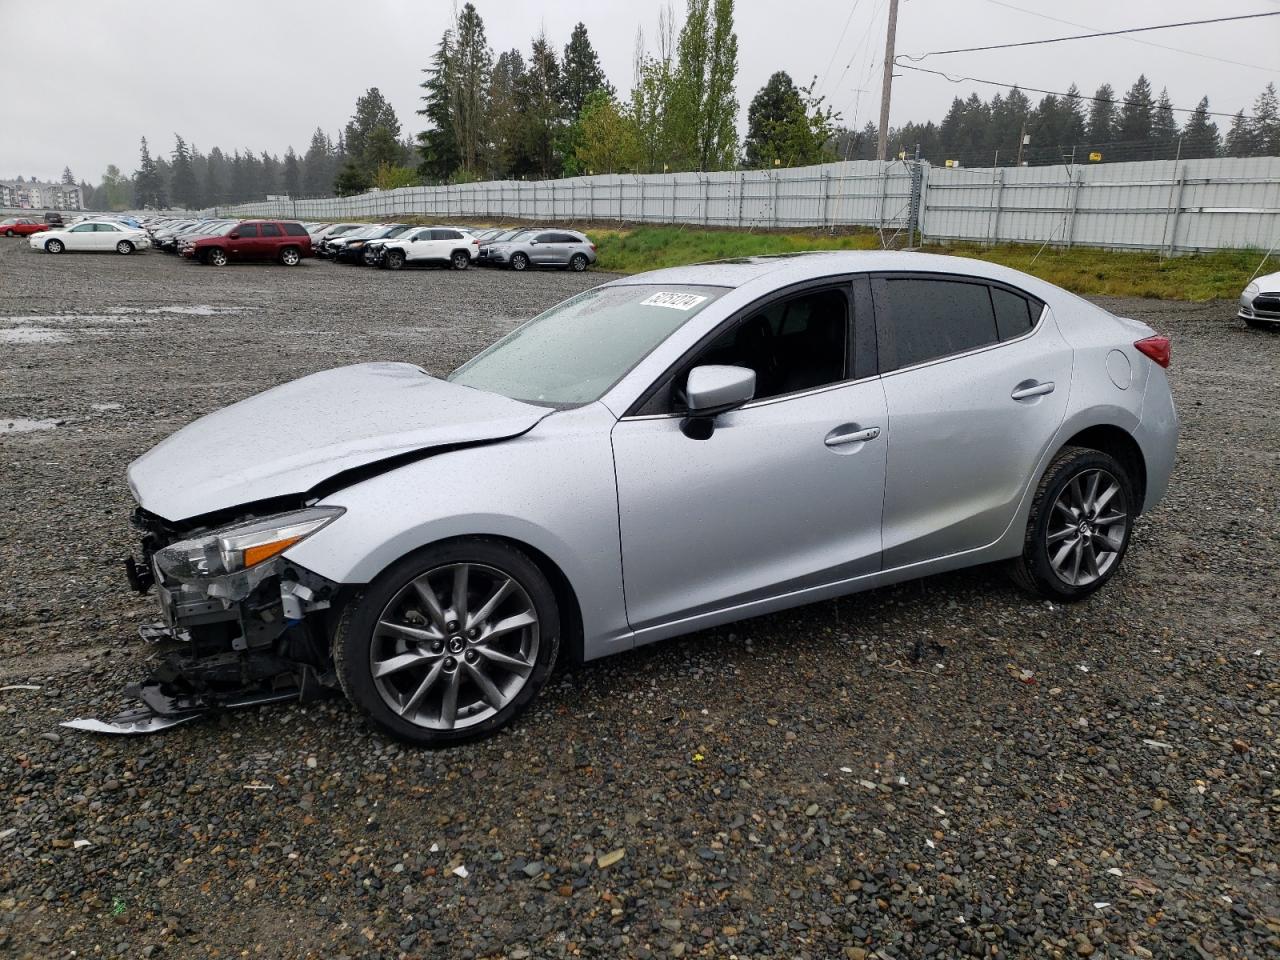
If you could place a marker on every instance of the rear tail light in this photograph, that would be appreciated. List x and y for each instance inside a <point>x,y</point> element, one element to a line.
<point>1157,348</point>
<point>476,242</point>
<point>593,248</point>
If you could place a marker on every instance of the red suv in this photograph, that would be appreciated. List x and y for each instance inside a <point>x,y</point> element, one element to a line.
<point>284,241</point>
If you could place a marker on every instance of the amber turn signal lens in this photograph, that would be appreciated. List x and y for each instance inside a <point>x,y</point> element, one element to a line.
<point>255,555</point>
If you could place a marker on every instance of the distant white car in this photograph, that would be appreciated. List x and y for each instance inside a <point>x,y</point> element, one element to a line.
<point>1259,303</point>
<point>91,236</point>
<point>443,245</point>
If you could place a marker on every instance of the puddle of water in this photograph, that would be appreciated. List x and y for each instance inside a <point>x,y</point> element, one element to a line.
<point>200,310</point>
<point>106,406</point>
<point>33,335</point>
<point>22,425</point>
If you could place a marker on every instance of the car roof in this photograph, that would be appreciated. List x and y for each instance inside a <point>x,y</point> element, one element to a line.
<point>787,268</point>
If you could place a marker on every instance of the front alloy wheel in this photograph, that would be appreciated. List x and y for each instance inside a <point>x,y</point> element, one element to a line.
<point>55,246</point>
<point>394,260</point>
<point>519,261</point>
<point>1079,528</point>
<point>451,643</point>
<point>461,260</point>
<point>217,257</point>
<point>578,263</point>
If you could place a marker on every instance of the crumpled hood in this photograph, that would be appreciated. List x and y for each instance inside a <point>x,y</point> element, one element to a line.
<point>294,436</point>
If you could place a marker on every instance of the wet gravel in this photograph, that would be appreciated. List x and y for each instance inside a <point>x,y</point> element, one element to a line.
<point>945,768</point>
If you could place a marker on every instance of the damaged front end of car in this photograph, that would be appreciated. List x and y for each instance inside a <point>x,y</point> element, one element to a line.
<point>241,624</point>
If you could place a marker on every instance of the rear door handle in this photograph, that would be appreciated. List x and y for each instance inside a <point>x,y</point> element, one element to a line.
<point>838,437</point>
<point>1031,388</point>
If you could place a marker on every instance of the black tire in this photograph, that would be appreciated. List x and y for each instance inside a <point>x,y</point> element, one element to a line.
<point>519,261</point>
<point>1261,324</point>
<point>578,262</point>
<point>354,636</point>
<point>460,260</point>
<point>54,246</point>
<point>216,257</point>
<point>394,260</point>
<point>9,233</point>
<point>291,256</point>
<point>1034,570</point>
<point>124,248</point>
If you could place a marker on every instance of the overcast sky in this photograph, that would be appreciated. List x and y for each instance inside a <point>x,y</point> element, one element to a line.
<point>84,79</point>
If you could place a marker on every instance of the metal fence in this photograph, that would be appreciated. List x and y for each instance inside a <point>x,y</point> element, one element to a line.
<point>1175,206</point>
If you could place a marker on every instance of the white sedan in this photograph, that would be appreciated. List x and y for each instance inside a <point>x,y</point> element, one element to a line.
<point>93,235</point>
<point>1260,303</point>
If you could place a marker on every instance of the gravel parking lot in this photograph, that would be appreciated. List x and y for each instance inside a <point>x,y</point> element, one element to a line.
<point>945,768</point>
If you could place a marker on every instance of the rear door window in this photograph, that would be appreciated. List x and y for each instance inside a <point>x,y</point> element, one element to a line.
<point>929,318</point>
<point>298,230</point>
<point>270,230</point>
<point>247,230</point>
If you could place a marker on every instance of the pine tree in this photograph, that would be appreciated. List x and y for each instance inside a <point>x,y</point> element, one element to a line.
<point>215,177</point>
<point>504,113</point>
<point>1075,127</point>
<point>372,110</point>
<point>543,113</point>
<point>1101,128</point>
<point>291,175</point>
<point>771,107</point>
<point>1136,118</point>
<point>317,174</point>
<point>1200,136</point>
<point>1164,128</point>
<point>582,75</point>
<point>1265,127</point>
<point>68,178</point>
<point>438,144</point>
<point>186,191</point>
<point>1239,142</point>
<point>148,184</point>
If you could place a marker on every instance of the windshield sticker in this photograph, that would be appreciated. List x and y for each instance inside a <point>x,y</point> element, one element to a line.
<point>676,301</point>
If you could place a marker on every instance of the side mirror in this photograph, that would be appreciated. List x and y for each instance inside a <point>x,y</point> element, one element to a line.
<point>533,242</point>
<point>712,390</point>
<point>233,235</point>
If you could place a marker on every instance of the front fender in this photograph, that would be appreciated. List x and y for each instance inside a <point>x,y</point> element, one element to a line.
<point>551,489</point>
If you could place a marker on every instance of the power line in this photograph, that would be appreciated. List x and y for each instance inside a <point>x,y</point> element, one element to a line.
<point>1145,43</point>
<point>1091,36</point>
<point>1058,93</point>
<point>830,63</point>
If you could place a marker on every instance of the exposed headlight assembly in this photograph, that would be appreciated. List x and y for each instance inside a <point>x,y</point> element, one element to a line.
<point>1252,289</point>
<point>241,546</point>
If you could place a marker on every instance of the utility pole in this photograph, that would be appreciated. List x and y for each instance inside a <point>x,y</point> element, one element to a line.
<point>886,88</point>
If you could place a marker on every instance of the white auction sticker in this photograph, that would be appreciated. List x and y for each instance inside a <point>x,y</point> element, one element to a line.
<point>676,301</point>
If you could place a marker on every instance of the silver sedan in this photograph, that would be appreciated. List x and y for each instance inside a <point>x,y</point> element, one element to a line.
<point>566,249</point>
<point>658,455</point>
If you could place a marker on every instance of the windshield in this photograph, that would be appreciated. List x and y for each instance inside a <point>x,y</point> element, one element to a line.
<point>509,235</point>
<point>577,350</point>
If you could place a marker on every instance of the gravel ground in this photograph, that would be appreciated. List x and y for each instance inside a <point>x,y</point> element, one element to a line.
<point>1050,781</point>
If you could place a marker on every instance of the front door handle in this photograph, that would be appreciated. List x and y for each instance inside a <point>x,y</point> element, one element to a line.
<point>838,437</point>
<point>1032,388</point>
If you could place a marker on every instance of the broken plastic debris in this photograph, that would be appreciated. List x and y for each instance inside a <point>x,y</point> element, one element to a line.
<point>434,848</point>
<point>846,769</point>
<point>461,871</point>
<point>130,722</point>
<point>929,843</point>
<point>1158,744</point>
<point>1115,871</point>
<point>1082,667</point>
<point>20,686</point>
<point>81,844</point>
<point>259,786</point>
<point>1100,904</point>
<point>609,859</point>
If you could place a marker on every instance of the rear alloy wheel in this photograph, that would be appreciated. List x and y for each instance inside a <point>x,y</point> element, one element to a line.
<point>1079,528</point>
<point>461,259</point>
<point>450,644</point>
<point>578,262</point>
<point>216,257</point>
<point>9,233</point>
<point>290,256</point>
<point>519,261</point>
<point>394,259</point>
<point>55,246</point>
<point>124,247</point>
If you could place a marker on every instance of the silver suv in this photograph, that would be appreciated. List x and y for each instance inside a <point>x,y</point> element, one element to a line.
<point>566,249</point>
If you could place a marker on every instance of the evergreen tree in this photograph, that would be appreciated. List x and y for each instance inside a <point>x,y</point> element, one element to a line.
<point>372,110</point>
<point>353,178</point>
<point>1239,142</point>
<point>1200,136</point>
<point>770,108</point>
<point>68,179</point>
<point>186,191</point>
<point>1101,128</point>
<point>1134,128</point>
<point>1265,127</point>
<point>582,75</point>
<point>438,144</point>
<point>87,198</point>
<point>148,183</point>
<point>317,177</point>
<point>542,111</point>
<point>215,177</point>
<point>505,121</point>
<point>240,186</point>
<point>269,183</point>
<point>1010,119</point>
<point>1164,128</point>
<point>1076,117</point>
<point>291,174</point>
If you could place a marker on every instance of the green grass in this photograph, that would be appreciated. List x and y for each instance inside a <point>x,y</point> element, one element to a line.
<point>1219,275</point>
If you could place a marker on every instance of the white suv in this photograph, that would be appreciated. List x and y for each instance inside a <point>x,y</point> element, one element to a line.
<point>444,245</point>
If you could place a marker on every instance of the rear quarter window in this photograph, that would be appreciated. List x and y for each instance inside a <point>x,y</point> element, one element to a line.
<point>1015,314</point>
<point>295,230</point>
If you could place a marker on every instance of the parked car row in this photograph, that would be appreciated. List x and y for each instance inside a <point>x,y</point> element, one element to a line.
<point>395,246</point>
<point>123,235</point>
